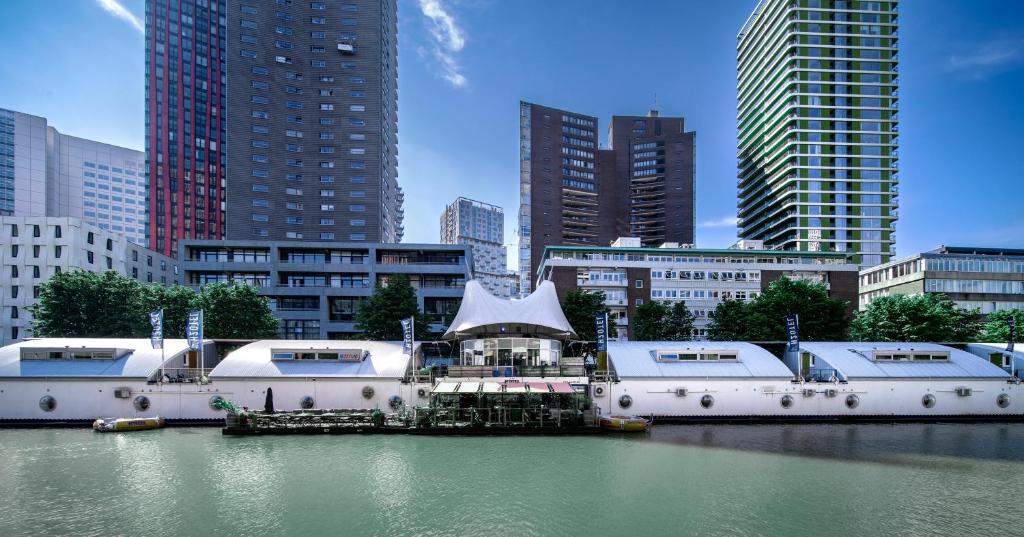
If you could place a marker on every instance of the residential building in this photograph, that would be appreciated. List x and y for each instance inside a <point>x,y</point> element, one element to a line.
<point>818,133</point>
<point>37,247</point>
<point>986,279</point>
<point>316,288</point>
<point>46,173</point>
<point>629,275</point>
<point>185,120</point>
<point>313,116</point>
<point>574,193</point>
<point>481,226</point>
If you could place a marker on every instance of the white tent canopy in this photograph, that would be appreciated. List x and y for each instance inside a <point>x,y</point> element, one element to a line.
<point>483,313</point>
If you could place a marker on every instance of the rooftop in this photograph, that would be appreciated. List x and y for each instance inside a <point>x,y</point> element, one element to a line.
<point>267,358</point>
<point>639,359</point>
<point>858,360</point>
<point>134,358</point>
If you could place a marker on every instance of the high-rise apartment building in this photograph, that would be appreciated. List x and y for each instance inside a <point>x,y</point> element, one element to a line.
<point>482,227</point>
<point>312,115</point>
<point>46,173</point>
<point>573,193</point>
<point>185,120</point>
<point>817,92</point>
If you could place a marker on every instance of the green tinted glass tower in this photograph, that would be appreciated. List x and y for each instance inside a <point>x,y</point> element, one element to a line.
<point>817,113</point>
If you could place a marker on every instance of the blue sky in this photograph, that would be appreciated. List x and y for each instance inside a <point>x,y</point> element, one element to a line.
<point>465,65</point>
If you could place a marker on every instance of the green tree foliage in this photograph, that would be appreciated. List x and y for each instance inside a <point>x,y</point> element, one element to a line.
<point>380,316</point>
<point>650,322</point>
<point>235,311</point>
<point>931,317</point>
<point>580,308</point>
<point>996,329</point>
<point>657,321</point>
<point>88,304</point>
<point>821,318</point>
<point>728,321</point>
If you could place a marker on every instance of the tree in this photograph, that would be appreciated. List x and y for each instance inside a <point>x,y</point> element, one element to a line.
<point>728,321</point>
<point>580,308</point>
<point>235,311</point>
<point>821,318</point>
<point>680,323</point>
<point>650,321</point>
<point>930,317</point>
<point>80,303</point>
<point>380,315</point>
<point>996,329</point>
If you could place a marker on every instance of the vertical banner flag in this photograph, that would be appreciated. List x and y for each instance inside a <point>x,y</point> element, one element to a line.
<point>793,332</point>
<point>156,318</point>
<point>601,331</point>
<point>1011,323</point>
<point>194,329</point>
<point>407,326</point>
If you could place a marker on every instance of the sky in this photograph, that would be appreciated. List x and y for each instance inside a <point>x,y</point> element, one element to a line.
<point>464,66</point>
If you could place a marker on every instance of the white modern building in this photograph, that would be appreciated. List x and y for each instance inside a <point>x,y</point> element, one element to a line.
<point>482,227</point>
<point>32,249</point>
<point>46,173</point>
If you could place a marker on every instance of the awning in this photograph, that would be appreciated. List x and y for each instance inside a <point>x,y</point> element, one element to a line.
<point>481,312</point>
<point>446,387</point>
<point>469,387</point>
<point>562,387</point>
<point>515,387</point>
<point>538,387</point>
<point>491,387</point>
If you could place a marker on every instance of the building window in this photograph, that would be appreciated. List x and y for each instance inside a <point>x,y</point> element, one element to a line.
<point>301,329</point>
<point>56,232</point>
<point>36,232</point>
<point>89,256</point>
<point>639,284</point>
<point>90,238</point>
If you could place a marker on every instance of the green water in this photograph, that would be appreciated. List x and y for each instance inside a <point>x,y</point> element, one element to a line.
<point>680,480</point>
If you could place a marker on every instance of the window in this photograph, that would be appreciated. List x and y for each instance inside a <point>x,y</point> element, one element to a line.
<point>639,284</point>
<point>326,193</point>
<point>36,232</point>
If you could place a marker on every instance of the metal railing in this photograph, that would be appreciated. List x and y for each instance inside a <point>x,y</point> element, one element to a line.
<point>183,375</point>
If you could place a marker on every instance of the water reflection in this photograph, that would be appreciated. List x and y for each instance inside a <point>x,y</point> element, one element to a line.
<point>901,443</point>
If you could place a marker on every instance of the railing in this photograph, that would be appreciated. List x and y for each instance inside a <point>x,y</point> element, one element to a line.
<point>821,374</point>
<point>183,375</point>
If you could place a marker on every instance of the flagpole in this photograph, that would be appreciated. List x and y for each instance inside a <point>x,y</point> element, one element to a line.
<point>202,350</point>
<point>162,358</point>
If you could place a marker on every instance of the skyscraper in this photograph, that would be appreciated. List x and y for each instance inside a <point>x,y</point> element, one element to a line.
<point>46,173</point>
<point>817,92</point>
<point>312,115</point>
<point>482,227</point>
<point>185,121</point>
<point>573,193</point>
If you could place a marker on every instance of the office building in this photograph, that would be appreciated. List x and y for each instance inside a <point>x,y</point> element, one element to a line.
<point>986,279</point>
<point>574,193</point>
<point>46,173</point>
<point>629,274</point>
<point>482,227</point>
<point>185,120</point>
<point>37,247</point>
<point>818,136</point>
<point>313,117</point>
<point>316,288</point>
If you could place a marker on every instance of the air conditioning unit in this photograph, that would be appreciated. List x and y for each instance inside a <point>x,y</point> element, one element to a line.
<point>422,392</point>
<point>599,391</point>
<point>831,392</point>
<point>963,391</point>
<point>808,392</point>
<point>680,392</point>
<point>122,393</point>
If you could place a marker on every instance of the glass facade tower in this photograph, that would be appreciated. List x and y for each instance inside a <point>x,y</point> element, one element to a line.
<point>818,137</point>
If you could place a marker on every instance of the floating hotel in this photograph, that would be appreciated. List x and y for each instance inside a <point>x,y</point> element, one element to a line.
<point>497,352</point>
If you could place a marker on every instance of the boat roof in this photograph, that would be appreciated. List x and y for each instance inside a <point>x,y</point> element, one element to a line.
<point>383,359</point>
<point>856,360</point>
<point>638,359</point>
<point>481,313</point>
<point>135,358</point>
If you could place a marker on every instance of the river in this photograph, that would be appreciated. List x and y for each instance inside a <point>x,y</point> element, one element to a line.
<point>906,479</point>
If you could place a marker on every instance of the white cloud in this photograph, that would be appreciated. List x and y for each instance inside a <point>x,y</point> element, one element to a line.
<point>448,41</point>
<point>728,221</point>
<point>988,58</point>
<point>116,9</point>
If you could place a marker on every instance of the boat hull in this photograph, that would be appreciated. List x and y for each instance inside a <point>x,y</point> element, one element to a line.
<point>128,424</point>
<point>628,424</point>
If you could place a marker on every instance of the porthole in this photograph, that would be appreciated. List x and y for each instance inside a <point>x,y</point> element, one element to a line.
<point>216,401</point>
<point>928,401</point>
<point>47,403</point>
<point>141,403</point>
<point>1003,400</point>
<point>625,401</point>
<point>395,402</point>
<point>707,401</point>
<point>307,402</point>
<point>367,392</point>
<point>786,401</point>
<point>852,401</point>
